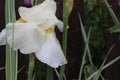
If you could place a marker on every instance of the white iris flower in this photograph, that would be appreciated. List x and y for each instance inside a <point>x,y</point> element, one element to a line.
<point>34,33</point>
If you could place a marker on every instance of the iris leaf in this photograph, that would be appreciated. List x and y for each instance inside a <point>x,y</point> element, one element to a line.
<point>115,28</point>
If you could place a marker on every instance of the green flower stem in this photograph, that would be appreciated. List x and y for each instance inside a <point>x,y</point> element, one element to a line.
<point>11,56</point>
<point>62,69</point>
<point>64,41</point>
<point>8,63</point>
<point>31,66</point>
<point>49,73</point>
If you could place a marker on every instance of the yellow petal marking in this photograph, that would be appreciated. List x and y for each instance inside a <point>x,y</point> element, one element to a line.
<point>22,20</point>
<point>50,30</point>
<point>47,30</point>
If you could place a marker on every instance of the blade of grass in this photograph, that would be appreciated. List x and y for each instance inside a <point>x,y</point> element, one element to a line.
<point>83,60</point>
<point>100,70</point>
<point>104,67</point>
<point>57,73</point>
<point>114,17</point>
<point>2,68</point>
<point>21,69</point>
<point>85,40</point>
<point>85,50</point>
<point>33,77</point>
<point>11,56</point>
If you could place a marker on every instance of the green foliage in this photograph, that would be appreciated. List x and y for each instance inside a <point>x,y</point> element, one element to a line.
<point>114,17</point>
<point>104,67</point>
<point>88,70</point>
<point>38,1</point>
<point>115,28</point>
<point>95,16</point>
<point>119,2</point>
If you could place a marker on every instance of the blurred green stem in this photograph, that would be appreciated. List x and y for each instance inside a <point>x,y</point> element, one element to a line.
<point>85,40</point>
<point>100,69</point>
<point>64,39</point>
<point>114,17</point>
<point>49,73</point>
<point>104,67</point>
<point>11,56</point>
<point>31,66</point>
<point>2,68</point>
<point>86,48</point>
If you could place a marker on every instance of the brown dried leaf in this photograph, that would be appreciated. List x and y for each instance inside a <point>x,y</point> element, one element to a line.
<point>69,4</point>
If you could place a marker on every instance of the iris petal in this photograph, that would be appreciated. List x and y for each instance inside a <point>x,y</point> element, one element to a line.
<point>51,53</point>
<point>34,33</point>
<point>60,25</point>
<point>27,37</point>
<point>42,14</point>
<point>3,37</point>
